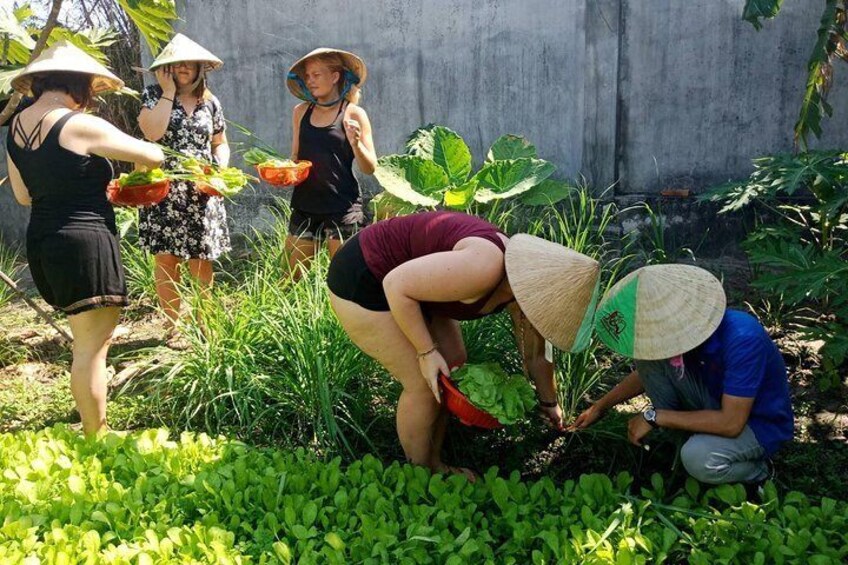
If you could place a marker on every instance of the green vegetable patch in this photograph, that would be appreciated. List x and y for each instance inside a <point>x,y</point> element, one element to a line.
<point>146,498</point>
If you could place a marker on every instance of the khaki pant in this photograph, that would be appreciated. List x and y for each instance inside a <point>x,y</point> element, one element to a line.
<point>709,458</point>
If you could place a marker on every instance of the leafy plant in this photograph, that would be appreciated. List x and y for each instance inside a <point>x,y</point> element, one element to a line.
<point>802,258</point>
<point>830,45</point>
<point>144,497</point>
<point>268,360</point>
<point>437,168</point>
<point>508,398</point>
<point>10,264</point>
<point>153,19</point>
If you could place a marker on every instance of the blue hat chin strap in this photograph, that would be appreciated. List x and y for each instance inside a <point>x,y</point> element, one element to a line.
<point>350,80</point>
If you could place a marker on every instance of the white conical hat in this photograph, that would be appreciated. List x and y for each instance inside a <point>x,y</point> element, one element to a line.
<point>352,62</point>
<point>63,56</point>
<point>660,311</point>
<point>181,49</point>
<point>556,288</point>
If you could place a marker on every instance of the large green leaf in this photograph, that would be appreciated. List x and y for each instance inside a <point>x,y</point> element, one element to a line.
<point>831,37</point>
<point>385,205</point>
<point>511,147</point>
<point>153,19</point>
<point>547,192</point>
<point>7,74</point>
<point>92,41</point>
<point>11,26</point>
<point>756,9</point>
<point>413,179</point>
<point>420,142</point>
<point>445,147</point>
<point>511,177</point>
<point>459,197</point>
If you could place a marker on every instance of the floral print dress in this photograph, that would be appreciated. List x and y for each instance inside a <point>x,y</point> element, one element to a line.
<point>187,223</point>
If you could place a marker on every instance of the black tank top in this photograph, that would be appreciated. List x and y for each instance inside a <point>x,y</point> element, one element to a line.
<point>67,189</point>
<point>330,187</point>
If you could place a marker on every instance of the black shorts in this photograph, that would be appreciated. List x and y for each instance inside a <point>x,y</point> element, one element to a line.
<point>306,225</point>
<point>78,269</point>
<point>350,278</point>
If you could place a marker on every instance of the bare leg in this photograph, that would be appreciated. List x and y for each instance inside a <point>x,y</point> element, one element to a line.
<point>377,334</point>
<point>448,335</point>
<point>299,252</point>
<point>201,270</point>
<point>92,331</point>
<point>167,275</point>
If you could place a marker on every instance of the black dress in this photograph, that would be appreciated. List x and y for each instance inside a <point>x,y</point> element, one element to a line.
<point>72,245</point>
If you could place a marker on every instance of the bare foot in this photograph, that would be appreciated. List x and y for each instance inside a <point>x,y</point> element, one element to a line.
<point>451,470</point>
<point>175,340</point>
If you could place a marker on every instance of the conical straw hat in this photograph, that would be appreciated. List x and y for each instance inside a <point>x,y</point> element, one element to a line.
<point>63,56</point>
<point>660,311</point>
<point>181,49</point>
<point>352,62</point>
<point>556,288</point>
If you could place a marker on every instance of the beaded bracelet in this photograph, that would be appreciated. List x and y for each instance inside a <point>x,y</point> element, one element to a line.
<point>428,352</point>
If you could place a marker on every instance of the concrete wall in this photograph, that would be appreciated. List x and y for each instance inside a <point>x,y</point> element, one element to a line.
<point>654,94</point>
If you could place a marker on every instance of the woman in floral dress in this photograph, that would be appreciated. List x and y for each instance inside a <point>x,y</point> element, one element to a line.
<point>187,226</point>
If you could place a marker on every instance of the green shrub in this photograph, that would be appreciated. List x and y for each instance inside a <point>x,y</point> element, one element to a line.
<point>798,245</point>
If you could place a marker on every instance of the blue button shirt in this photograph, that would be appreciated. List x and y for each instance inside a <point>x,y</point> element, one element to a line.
<point>740,359</point>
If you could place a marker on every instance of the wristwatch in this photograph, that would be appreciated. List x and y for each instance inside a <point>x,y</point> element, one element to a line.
<point>650,415</point>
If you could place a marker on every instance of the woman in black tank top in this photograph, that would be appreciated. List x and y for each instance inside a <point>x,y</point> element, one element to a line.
<point>331,131</point>
<point>58,159</point>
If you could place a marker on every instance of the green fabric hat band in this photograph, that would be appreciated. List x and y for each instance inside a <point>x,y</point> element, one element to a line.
<point>615,322</point>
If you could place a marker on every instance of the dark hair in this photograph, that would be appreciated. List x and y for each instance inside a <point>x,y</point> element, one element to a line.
<point>75,85</point>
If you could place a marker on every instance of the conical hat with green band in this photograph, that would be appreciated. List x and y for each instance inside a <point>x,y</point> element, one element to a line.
<point>660,311</point>
<point>556,288</point>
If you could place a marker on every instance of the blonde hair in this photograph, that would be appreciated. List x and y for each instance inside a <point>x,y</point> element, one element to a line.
<point>335,63</point>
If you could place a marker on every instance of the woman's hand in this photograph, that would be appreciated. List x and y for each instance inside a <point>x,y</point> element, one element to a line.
<point>432,365</point>
<point>165,77</point>
<point>353,131</point>
<point>586,418</point>
<point>553,416</point>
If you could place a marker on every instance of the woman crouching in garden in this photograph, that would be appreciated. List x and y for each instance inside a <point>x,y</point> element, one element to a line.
<point>400,286</point>
<point>58,159</point>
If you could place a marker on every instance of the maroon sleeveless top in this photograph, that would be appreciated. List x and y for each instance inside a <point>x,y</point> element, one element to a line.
<point>390,243</point>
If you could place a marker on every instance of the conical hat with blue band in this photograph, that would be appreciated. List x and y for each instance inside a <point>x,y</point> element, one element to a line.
<point>352,62</point>
<point>556,288</point>
<point>660,311</point>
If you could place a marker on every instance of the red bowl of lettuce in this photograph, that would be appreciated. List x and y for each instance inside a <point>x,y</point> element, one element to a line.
<point>485,396</point>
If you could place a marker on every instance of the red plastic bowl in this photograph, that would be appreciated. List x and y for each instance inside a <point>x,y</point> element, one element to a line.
<point>285,176</point>
<point>140,195</point>
<point>458,405</point>
<point>206,189</point>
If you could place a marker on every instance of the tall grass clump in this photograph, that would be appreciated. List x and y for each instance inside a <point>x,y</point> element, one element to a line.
<point>268,361</point>
<point>11,264</point>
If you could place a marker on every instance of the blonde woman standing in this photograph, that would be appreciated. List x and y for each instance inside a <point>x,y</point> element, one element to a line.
<point>331,131</point>
<point>187,226</point>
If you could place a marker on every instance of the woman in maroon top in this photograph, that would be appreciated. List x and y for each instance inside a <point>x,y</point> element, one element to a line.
<point>400,287</point>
